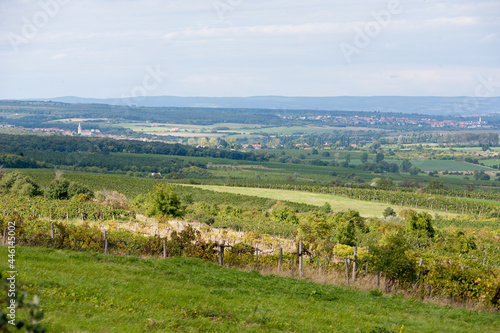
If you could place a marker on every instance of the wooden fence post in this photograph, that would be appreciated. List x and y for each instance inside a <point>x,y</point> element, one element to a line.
<point>280,263</point>
<point>300,260</point>
<point>421,262</point>
<point>4,235</point>
<point>164,248</point>
<point>106,246</point>
<point>52,230</point>
<point>355,258</point>
<point>221,252</point>
<point>347,269</point>
<point>257,256</point>
<point>378,280</point>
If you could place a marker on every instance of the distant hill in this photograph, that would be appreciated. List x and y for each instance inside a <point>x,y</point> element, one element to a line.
<point>404,104</point>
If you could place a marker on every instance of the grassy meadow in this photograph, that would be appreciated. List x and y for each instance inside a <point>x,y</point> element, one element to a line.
<point>88,292</point>
<point>338,203</point>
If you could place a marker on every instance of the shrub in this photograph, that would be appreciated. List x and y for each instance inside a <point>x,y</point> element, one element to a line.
<point>112,199</point>
<point>65,189</point>
<point>18,183</point>
<point>392,257</point>
<point>163,202</point>
<point>389,212</point>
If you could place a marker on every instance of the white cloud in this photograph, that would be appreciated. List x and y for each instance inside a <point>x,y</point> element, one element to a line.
<point>58,56</point>
<point>257,30</point>
<point>263,47</point>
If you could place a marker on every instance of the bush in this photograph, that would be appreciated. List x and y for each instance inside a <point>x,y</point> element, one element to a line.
<point>389,212</point>
<point>163,202</point>
<point>64,189</point>
<point>17,183</point>
<point>348,226</point>
<point>112,199</point>
<point>393,258</point>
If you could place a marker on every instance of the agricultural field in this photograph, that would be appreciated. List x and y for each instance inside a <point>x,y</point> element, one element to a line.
<point>446,165</point>
<point>337,203</point>
<point>194,131</point>
<point>220,130</point>
<point>88,292</point>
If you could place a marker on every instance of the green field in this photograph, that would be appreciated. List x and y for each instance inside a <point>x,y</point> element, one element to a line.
<point>490,162</point>
<point>444,165</point>
<point>88,292</point>
<point>338,203</point>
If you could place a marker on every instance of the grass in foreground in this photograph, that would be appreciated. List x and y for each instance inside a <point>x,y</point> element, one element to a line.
<point>87,292</point>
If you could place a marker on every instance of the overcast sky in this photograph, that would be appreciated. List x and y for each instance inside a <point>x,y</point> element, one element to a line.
<point>116,48</point>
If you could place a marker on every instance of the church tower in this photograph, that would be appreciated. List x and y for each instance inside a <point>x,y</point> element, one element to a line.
<point>79,128</point>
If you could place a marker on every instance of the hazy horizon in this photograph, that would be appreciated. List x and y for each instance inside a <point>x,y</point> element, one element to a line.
<point>229,48</point>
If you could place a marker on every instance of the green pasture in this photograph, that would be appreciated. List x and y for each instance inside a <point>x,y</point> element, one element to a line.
<point>89,292</point>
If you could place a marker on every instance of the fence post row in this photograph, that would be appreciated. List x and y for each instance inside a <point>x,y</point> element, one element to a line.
<point>320,267</point>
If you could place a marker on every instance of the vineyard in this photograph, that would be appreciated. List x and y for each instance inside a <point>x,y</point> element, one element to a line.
<point>459,267</point>
<point>401,198</point>
<point>482,203</point>
<point>452,260</point>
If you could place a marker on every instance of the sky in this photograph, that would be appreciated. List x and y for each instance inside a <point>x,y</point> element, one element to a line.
<point>230,48</point>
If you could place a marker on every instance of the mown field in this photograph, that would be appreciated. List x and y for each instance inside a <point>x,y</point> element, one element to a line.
<point>84,292</point>
<point>337,203</point>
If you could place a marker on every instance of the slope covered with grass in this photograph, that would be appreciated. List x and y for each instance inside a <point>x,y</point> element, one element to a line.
<point>87,292</point>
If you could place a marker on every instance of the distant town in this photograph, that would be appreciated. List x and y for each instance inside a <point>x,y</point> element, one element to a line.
<point>394,121</point>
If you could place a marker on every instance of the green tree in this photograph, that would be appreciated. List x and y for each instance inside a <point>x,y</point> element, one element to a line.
<point>364,157</point>
<point>317,231</point>
<point>414,171</point>
<point>18,183</point>
<point>64,189</point>
<point>420,224</point>
<point>392,257</point>
<point>163,202</point>
<point>326,208</point>
<point>406,165</point>
<point>389,212</point>
<point>348,226</point>
<point>379,157</point>
<point>435,184</point>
